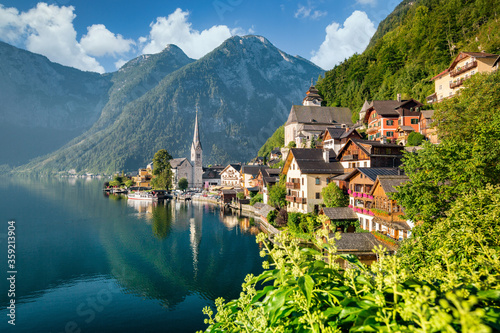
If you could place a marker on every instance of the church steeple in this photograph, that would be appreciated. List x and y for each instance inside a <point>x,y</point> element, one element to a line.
<point>196,137</point>
<point>196,156</point>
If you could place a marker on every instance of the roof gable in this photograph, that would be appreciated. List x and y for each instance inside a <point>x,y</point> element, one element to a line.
<point>319,115</point>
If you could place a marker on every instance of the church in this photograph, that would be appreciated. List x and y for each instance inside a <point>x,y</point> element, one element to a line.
<point>191,170</point>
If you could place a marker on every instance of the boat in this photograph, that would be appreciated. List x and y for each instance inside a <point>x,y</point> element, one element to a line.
<point>150,196</point>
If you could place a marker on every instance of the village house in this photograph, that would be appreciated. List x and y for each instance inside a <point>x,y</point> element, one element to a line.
<point>383,118</point>
<point>450,81</point>
<point>143,178</point>
<point>266,179</point>
<point>230,176</point>
<point>425,126</point>
<point>360,183</point>
<point>369,154</point>
<point>307,172</point>
<point>335,138</point>
<point>387,213</point>
<point>211,175</point>
<point>306,122</point>
<point>248,176</point>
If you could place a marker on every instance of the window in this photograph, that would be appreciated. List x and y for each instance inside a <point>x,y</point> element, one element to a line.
<point>399,121</point>
<point>440,86</point>
<point>302,181</point>
<point>318,195</point>
<point>317,181</point>
<point>390,134</point>
<point>414,121</point>
<point>378,135</point>
<point>390,122</point>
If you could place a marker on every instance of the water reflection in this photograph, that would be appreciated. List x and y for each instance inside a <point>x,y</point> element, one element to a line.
<point>167,261</point>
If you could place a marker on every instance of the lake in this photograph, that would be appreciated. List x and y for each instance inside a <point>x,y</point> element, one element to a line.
<point>87,262</point>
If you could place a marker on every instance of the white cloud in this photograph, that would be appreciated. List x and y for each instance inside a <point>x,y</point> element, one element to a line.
<point>309,12</point>
<point>47,30</point>
<point>342,42</point>
<point>120,63</point>
<point>99,41</point>
<point>175,29</point>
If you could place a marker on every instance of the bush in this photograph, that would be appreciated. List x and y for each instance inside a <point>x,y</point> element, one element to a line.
<point>240,195</point>
<point>415,139</point>
<point>257,198</point>
<point>271,217</point>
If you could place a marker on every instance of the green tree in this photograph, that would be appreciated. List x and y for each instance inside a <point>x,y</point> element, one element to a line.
<point>183,184</point>
<point>162,170</point>
<point>333,196</point>
<point>256,198</point>
<point>277,195</point>
<point>129,183</point>
<point>240,195</point>
<point>415,139</point>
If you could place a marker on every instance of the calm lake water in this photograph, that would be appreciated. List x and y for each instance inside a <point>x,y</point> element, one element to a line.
<point>86,262</point>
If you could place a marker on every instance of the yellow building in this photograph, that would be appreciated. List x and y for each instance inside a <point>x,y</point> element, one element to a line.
<point>307,172</point>
<point>143,179</point>
<point>450,81</point>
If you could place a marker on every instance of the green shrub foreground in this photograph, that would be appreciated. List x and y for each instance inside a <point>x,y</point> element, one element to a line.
<point>445,279</point>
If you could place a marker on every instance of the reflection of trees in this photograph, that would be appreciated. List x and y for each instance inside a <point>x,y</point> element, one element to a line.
<point>189,252</point>
<point>162,220</point>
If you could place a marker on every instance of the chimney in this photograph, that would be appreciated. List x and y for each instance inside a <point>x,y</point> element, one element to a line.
<point>399,97</point>
<point>326,155</point>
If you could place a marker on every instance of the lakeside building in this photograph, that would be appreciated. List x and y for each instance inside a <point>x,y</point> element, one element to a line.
<point>231,175</point>
<point>450,81</point>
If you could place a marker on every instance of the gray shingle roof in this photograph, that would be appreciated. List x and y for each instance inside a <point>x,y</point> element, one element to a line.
<point>389,183</point>
<point>311,161</point>
<point>176,162</point>
<point>319,115</point>
<point>392,225</point>
<point>358,242</point>
<point>372,173</point>
<point>340,213</point>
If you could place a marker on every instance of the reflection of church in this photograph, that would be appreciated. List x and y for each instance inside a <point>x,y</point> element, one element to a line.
<point>191,170</point>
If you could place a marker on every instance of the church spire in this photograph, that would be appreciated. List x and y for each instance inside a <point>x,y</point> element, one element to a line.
<point>196,137</point>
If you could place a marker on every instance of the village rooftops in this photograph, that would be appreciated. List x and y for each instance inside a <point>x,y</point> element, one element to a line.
<point>373,173</point>
<point>319,115</point>
<point>367,147</point>
<point>390,183</point>
<point>340,213</point>
<point>176,162</point>
<point>311,161</point>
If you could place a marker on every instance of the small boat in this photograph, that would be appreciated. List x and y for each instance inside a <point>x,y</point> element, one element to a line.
<point>151,196</point>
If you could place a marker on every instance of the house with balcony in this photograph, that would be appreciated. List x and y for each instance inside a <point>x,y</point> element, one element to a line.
<point>248,176</point>
<point>360,183</point>
<point>307,172</point>
<point>384,117</point>
<point>144,176</point>
<point>387,213</point>
<point>335,138</point>
<point>359,153</point>
<point>450,81</point>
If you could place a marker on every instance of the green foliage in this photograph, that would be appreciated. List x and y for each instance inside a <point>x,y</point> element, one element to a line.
<point>240,195</point>
<point>274,141</point>
<point>333,196</point>
<point>291,144</point>
<point>129,183</point>
<point>413,44</point>
<point>114,183</point>
<point>271,216</point>
<point>183,184</point>
<point>277,195</point>
<point>161,161</point>
<point>465,160</point>
<point>257,198</point>
<point>300,224</point>
<point>385,238</point>
<point>306,290</point>
<point>415,139</point>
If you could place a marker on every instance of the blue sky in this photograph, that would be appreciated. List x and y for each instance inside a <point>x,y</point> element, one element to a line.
<point>101,35</point>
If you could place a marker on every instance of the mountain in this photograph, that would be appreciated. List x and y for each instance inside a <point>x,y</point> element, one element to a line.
<point>243,90</point>
<point>43,104</point>
<point>418,40</point>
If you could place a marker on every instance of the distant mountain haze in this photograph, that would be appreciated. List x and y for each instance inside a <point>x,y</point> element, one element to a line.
<point>243,91</point>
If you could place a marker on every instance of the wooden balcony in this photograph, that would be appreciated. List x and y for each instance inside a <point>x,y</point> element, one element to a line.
<point>292,186</point>
<point>457,83</point>
<point>291,198</point>
<point>353,157</point>
<point>373,129</point>
<point>460,70</point>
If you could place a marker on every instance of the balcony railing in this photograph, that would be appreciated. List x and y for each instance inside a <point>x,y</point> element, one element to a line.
<point>372,129</point>
<point>291,198</point>
<point>460,70</point>
<point>353,157</point>
<point>457,83</point>
<point>292,186</point>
